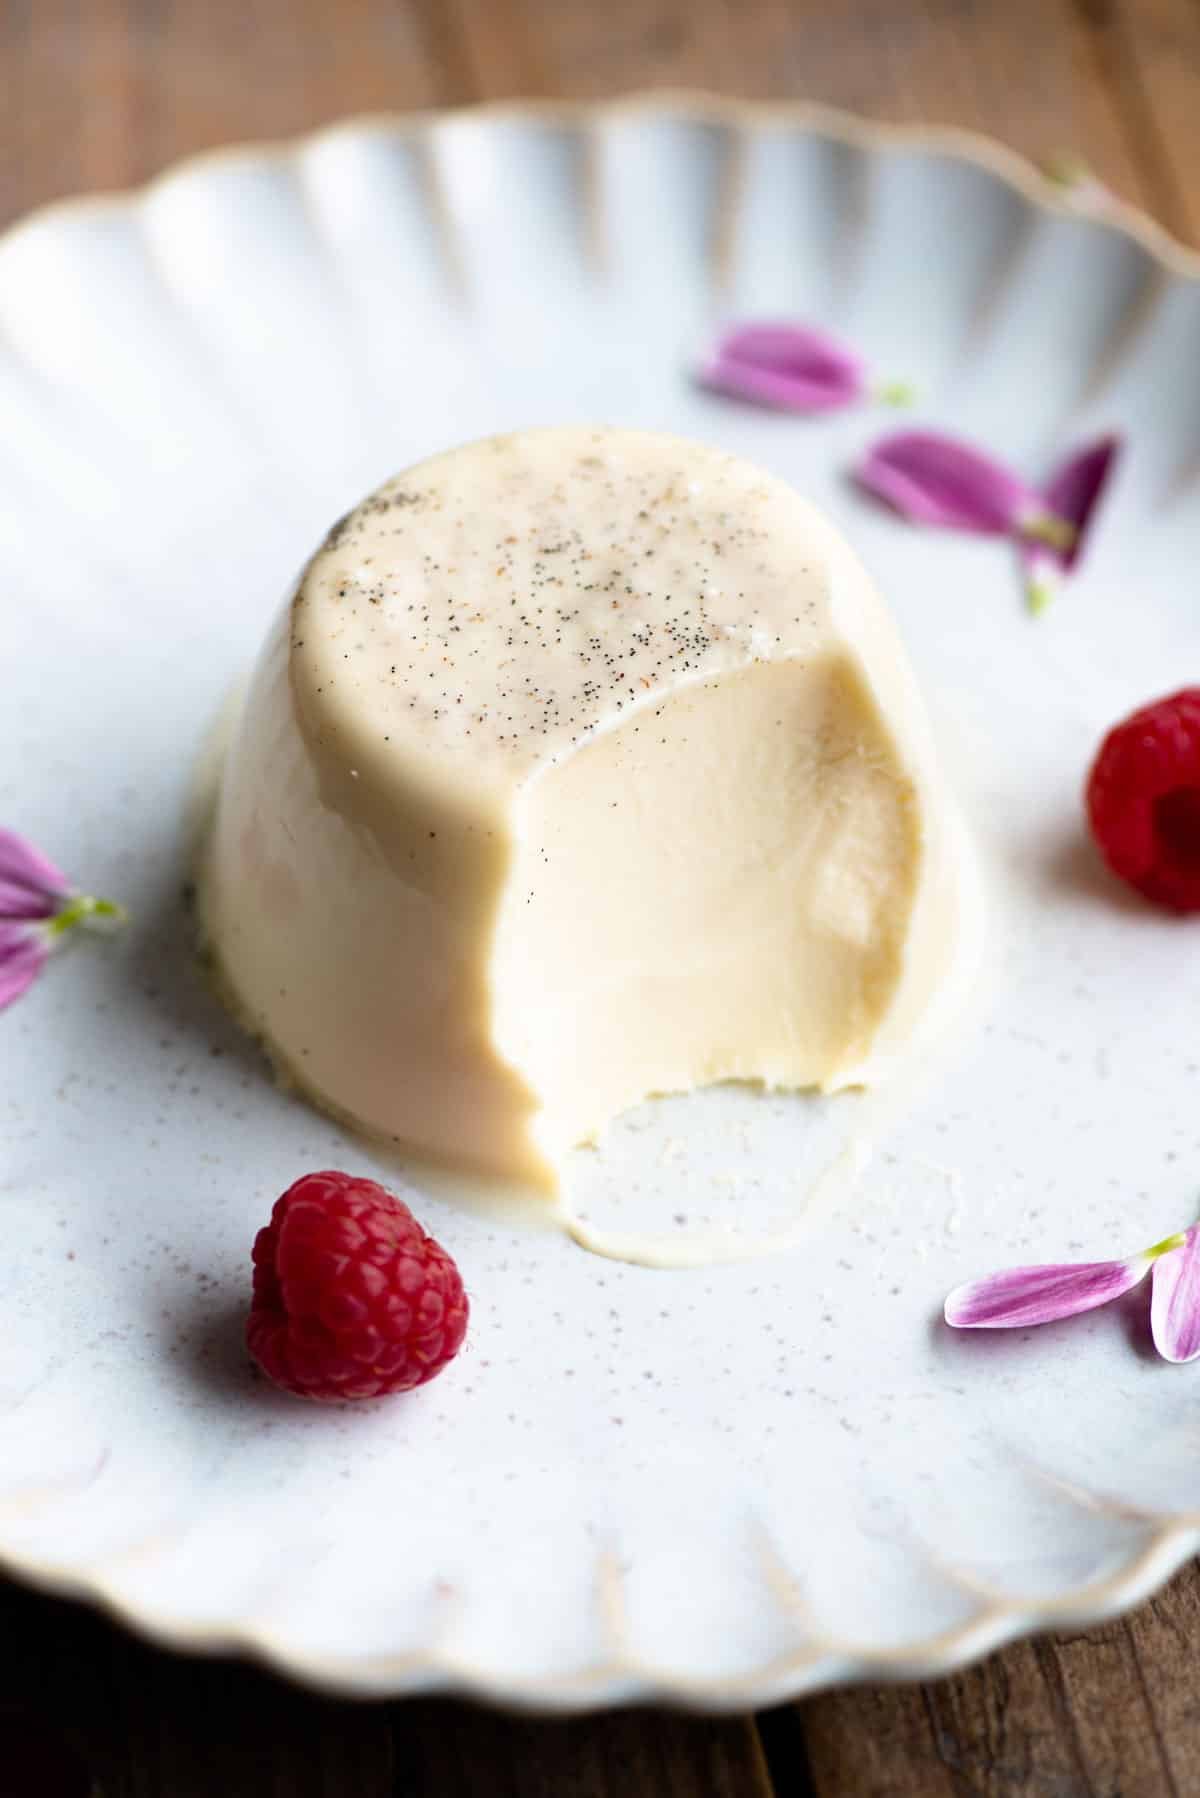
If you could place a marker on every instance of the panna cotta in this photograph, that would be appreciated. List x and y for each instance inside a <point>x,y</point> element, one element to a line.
<point>581,765</point>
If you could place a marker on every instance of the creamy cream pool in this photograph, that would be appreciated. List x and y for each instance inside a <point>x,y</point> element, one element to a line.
<point>582,765</point>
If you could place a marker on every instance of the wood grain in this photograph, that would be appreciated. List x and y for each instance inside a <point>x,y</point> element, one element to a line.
<point>103,93</point>
<point>1019,69</point>
<point>1153,55</point>
<point>632,1752</point>
<point>148,1725</point>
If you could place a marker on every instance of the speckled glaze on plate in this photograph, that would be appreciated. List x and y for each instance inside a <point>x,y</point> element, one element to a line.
<point>723,1485</point>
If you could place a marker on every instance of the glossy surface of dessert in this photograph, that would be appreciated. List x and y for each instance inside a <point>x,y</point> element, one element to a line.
<point>582,765</point>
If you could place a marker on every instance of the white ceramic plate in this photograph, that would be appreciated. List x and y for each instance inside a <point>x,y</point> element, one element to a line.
<point>724,1485</point>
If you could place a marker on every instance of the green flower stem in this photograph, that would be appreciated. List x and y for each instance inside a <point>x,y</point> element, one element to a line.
<point>1067,169</point>
<point>1166,1245</point>
<point>83,909</point>
<point>1039,596</point>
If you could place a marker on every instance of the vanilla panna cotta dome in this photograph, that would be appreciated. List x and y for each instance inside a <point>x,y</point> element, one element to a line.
<point>582,765</point>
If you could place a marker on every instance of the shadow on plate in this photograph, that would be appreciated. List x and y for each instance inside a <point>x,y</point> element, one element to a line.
<point>1074,869</point>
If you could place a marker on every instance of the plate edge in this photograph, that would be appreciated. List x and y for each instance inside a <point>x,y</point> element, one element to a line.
<point>686,105</point>
<point>625,1681</point>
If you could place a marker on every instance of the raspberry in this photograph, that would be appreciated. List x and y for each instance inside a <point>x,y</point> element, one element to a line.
<point>1143,800</point>
<point>351,1298</point>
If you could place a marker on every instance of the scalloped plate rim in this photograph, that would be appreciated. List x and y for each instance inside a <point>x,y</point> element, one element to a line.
<point>1172,1538</point>
<point>998,159</point>
<point>620,1681</point>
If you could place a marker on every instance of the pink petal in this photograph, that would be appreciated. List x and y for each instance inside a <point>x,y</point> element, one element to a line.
<point>936,480</point>
<point>1175,1300</point>
<point>787,367</point>
<point>1037,1295</point>
<point>22,956</point>
<point>30,884</point>
<point>1073,493</point>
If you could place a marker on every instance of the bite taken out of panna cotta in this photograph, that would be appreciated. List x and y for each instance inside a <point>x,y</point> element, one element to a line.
<point>582,765</point>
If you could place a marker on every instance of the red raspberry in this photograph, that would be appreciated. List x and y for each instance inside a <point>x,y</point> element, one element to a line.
<point>1143,800</point>
<point>351,1298</point>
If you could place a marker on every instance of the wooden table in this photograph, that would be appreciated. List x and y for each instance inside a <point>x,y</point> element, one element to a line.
<point>101,93</point>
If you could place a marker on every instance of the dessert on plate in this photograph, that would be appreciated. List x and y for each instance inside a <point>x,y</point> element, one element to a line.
<point>582,765</point>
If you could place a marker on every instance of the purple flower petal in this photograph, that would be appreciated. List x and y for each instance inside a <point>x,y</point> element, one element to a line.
<point>1175,1300</point>
<point>30,884</point>
<point>23,952</point>
<point>936,480</point>
<point>789,368</point>
<point>1037,1295</point>
<point>39,910</point>
<point>1072,493</point>
<point>1069,500</point>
